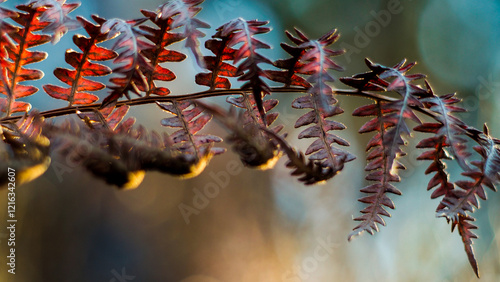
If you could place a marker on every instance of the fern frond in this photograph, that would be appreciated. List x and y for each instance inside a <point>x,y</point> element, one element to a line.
<point>382,168</point>
<point>310,172</point>
<point>183,13</point>
<point>79,86</point>
<point>385,147</point>
<point>242,31</point>
<point>452,128</point>
<point>130,60</point>
<point>292,66</point>
<point>465,230</point>
<point>24,38</point>
<point>316,62</point>
<point>446,137</point>
<point>161,37</point>
<point>464,200</point>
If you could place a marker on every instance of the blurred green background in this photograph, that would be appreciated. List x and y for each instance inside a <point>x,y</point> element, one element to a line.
<point>264,225</point>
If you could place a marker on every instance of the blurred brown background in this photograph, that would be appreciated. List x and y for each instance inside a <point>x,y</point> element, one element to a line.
<point>264,226</point>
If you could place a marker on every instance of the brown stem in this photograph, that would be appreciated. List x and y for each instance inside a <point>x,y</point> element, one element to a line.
<point>205,94</point>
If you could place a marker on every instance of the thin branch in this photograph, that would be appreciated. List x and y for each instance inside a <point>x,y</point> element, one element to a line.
<point>205,94</point>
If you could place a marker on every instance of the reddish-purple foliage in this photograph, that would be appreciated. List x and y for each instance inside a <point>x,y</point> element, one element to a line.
<point>385,147</point>
<point>465,230</point>
<point>219,70</point>
<point>446,137</point>
<point>240,31</point>
<point>77,92</point>
<point>112,147</point>
<point>36,16</point>
<point>315,61</point>
<point>464,200</point>
<point>130,59</point>
<point>292,66</point>
<point>161,37</point>
<point>183,13</point>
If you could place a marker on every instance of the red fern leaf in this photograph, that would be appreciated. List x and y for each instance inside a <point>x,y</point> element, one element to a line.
<point>219,70</point>
<point>182,12</point>
<point>243,32</point>
<point>48,16</point>
<point>436,155</point>
<point>464,200</point>
<point>77,93</point>
<point>385,146</point>
<point>465,230</point>
<point>292,66</point>
<point>19,56</point>
<point>131,61</point>
<point>382,168</point>
<point>446,137</point>
<point>452,128</point>
<point>161,38</point>
<point>5,30</point>
<point>316,62</point>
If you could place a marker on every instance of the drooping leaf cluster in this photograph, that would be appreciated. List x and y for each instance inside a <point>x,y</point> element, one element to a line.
<point>449,142</point>
<point>100,139</point>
